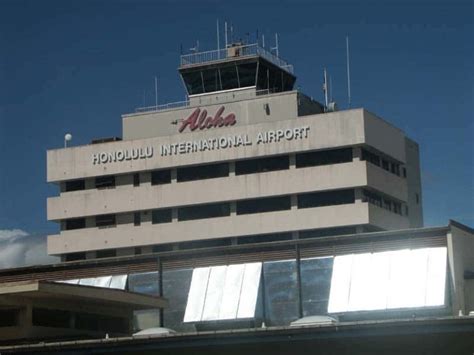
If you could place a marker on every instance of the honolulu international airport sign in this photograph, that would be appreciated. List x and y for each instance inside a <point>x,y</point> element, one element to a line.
<point>202,145</point>
<point>199,120</point>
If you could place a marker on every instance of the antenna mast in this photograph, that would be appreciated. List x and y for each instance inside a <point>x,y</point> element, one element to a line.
<point>218,44</point>
<point>225,34</point>
<point>325,88</point>
<point>156,92</point>
<point>348,73</point>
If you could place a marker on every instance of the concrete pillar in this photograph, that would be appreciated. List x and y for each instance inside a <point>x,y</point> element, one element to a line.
<point>233,208</point>
<point>174,174</point>
<point>174,215</point>
<point>356,153</point>
<point>232,168</point>
<point>294,202</point>
<point>359,196</point>
<point>292,161</point>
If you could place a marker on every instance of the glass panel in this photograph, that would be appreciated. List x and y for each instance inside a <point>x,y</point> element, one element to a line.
<point>103,281</point>
<point>214,293</point>
<point>118,282</point>
<point>197,294</point>
<point>87,281</point>
<point>147,283</point>
<point>436,279</point>
<point>340,284</point>
<point>281,292</point>
<point>248,297</point>
<point>315,285</point>
<point>232,290</point>
<point>389,280</point>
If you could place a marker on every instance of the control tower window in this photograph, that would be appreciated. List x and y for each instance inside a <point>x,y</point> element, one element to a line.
<point>211,80</point>
<point>247,73</point>
<point>229,77</point>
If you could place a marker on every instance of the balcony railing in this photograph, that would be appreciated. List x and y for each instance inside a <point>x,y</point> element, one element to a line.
<point>232,53</point>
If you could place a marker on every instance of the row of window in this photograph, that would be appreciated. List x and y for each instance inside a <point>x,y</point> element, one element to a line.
<point>385,164</point>
<point>222,209</point>
<point>242,167</point>
<point>384,202</point>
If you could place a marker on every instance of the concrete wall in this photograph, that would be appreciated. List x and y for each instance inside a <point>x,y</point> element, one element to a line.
<point>413,181</point>
<point>281,106</point>
<point>235,225</point>
<point>337,129</point>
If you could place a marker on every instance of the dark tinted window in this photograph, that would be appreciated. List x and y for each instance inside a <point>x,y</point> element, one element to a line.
<point>137,219</point>
<point>324,157</point>
<point>261,205</point>
<point>202,172</point>
<point>105,220</point>
<point>370,157</point>
<point>75,256</point>
<point>75,185</point>
<point>161,216</point>
<point>372,198</point>
<point>261,165</point>
<point>136,179</point>
<point>108,253</point>
<point>9,317</point>
<point>264,238</point>
<point>159,177</point>
<point>203,211</point>
<point>75,223</point>
<point>326,232</point>
<point>229,77</point>
<point>104,181</point>
<point>326,198</point>
<point>211,80</point>
<point>51,318</point>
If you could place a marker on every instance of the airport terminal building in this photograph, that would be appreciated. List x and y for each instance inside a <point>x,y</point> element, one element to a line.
<point>249,218</point>
<point>247,158</point>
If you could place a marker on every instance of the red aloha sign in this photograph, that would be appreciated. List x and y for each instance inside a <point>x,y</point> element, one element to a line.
<point>200,119</point>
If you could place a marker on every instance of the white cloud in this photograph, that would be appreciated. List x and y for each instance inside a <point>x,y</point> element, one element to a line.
<point>18,248</point>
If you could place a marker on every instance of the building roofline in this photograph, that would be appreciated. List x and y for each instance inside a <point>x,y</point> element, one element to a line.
<point>439,325</point>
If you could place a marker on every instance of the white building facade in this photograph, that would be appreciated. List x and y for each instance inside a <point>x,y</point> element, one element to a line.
<point>241,163</point>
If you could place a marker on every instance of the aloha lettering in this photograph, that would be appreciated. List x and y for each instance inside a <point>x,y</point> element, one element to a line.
<point>200,119</point>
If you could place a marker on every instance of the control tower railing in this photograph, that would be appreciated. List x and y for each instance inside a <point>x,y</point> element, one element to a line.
<point>232,52</point>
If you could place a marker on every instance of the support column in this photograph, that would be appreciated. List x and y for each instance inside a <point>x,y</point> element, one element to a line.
<point>232,168</point>
<point>292,161</point>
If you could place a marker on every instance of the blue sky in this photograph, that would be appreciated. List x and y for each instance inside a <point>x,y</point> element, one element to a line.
<point>76,66</point>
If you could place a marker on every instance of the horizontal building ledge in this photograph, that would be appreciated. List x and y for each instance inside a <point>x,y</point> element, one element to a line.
<point>237,225</point>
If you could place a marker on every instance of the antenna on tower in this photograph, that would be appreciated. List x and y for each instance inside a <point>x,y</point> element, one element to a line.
<point>348,73</point>
<point>225,34</point>
<point>156,93</point>
<point>330,88</point>
<point>276,45</point>
<point>325,89</point>
<point>218,44</point>
<point>195,48</point>
<point>263,41</point>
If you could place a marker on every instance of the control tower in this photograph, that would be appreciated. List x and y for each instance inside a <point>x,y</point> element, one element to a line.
<point>238,67</point>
